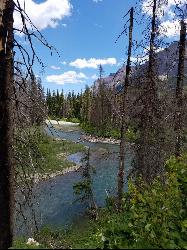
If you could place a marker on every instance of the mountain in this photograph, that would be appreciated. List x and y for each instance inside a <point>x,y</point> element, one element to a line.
<point>167,66</point>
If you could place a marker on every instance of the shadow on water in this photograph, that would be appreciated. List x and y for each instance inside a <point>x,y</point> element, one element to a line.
<point>57,206</point>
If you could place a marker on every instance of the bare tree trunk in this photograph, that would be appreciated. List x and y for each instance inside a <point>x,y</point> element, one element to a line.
<point>149,150</point>
<point>121,172</point>
<point>152,44</point>
<point>6,123</point>
<point>179,90</point>
<point>101,96</point>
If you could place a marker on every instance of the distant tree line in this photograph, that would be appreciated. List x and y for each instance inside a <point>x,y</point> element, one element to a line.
<point>150,107</point>
<point>93,107</point>
<point>30,99</point>
<point>64,106</point>
<point>98,106</point>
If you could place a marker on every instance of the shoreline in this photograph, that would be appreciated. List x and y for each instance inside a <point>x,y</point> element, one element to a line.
<point>96,139</point>
<point>61,123</point>
<point>39,177</point>
<point>89,138</point>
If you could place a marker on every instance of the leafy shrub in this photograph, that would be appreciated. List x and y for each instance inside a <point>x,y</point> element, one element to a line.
<point>153,216</point>
<point>131,135</point>
<point>107,133</point>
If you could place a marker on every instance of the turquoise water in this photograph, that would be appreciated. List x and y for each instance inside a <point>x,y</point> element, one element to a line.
<point>57,206</point>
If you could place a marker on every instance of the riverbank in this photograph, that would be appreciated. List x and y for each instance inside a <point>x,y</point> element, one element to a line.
<point>63,125</point>
<point>96,139</point>
<point>55,152</point>
<point>137,226</point>
<point>51,157</point>
<point>55,122</point>
<point>43,177</point>
<point>70,127</point>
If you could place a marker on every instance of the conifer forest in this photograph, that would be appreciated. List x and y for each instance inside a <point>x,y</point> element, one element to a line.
<point>93,150</point>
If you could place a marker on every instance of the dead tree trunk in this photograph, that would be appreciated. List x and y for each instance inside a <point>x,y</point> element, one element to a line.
<point>121,172</point>
<point>6,123</point>
<point>179,90</point>
<point>149,146</point>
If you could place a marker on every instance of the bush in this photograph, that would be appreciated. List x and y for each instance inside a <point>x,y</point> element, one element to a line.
<point>153,216</point>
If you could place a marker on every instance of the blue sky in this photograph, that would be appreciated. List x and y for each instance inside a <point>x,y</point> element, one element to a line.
<point>84,33</point>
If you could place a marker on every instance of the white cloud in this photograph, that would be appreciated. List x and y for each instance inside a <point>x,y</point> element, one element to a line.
<point>147,8</point>
<point>170,28</point>
<point>174,2</point>
<point>163,6</point>
<point>64,63</point>
<point>97,1</point>
<point>170,25</point>
<point>24,42</point>
<point>64,25</point>
<point>55,67</point>
<point>45,14</point>
<point>144,57</point>
<point>67,77</point>
<point>92,62</point>
<point>94,77</point>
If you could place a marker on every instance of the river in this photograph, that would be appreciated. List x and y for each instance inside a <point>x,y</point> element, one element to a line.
<point>55,197</point>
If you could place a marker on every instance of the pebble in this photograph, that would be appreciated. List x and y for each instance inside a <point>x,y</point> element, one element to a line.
<point>100,139</point>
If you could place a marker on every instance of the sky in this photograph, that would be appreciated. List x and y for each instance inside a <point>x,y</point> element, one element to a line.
<point>84,33</point>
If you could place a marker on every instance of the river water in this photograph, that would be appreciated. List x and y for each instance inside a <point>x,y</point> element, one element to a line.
<point>56,199</point>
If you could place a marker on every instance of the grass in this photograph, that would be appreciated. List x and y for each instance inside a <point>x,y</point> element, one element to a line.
<point>76,237</point>
<point>152,217</point>
<point>48,155</point>
<point>55,153</point>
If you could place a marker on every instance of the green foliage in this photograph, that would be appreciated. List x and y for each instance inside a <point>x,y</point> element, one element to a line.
<point>21,243</point>
<point>107,132</point>
<point>52,238</point>
<point>55,153</point>
<point>83,186</point>
<point>131,135</point>
<point>110,132</point>
<point>62,106</point>
<point>48,154</point>
<point>74,120</point>
<point>83,189</point>
<point>29,153</point>
<point>153,216</point>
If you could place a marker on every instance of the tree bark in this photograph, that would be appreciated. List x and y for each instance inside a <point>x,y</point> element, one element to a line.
<point>6,124</point>
<point>149,146</point>
<point>179,90</point>
<point>121,173</point>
